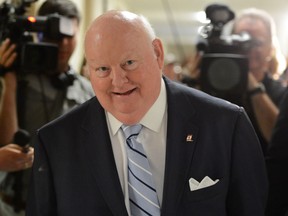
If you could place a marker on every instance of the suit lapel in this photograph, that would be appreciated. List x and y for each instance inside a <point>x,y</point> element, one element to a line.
<point>100,159</point>
<point>181,142</point>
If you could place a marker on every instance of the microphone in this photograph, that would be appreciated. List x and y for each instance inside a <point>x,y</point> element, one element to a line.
<point>22,138</point>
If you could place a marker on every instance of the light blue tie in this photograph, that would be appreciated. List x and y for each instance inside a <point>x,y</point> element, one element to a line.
<point>142,192</point>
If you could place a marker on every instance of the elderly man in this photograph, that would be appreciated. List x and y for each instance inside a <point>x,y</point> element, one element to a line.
<point>145,145</point>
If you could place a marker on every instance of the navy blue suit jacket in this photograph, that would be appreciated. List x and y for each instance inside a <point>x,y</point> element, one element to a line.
<point>74,172</point>
<point>277,164</point>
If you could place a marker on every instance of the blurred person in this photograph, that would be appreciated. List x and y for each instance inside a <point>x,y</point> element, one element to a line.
<point>264,93</point>
<point>278,61</point>
<point>33,99</point>
<point>284,75</point>
<point>277,164</point>
<point>191,68</point>
<point>13,158</point>
<point>202,150</point>
<point>172,68</point>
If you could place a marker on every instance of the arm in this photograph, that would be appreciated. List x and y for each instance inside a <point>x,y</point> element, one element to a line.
<point>248,185</point>
<point>8,106</point>
<point>265,110</point>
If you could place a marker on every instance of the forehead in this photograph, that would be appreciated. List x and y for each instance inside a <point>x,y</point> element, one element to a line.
<point>110,39</point>
<point>255,27</point>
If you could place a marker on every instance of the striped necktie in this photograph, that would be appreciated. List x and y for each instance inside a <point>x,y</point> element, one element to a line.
<point>142,193</point>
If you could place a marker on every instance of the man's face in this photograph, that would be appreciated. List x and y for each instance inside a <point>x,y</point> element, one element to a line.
<point>125,71</point>
<point>261,50</point>
<point>66,47</point>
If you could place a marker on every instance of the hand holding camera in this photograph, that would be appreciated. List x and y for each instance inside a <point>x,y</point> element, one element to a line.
<point>8,55</point>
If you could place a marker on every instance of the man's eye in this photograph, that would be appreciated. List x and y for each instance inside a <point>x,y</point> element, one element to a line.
<point>129,62</point>
<point>130,65</point>
<point>102,71</point>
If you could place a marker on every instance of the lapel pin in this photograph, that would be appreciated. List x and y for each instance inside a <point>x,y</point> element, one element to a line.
<point>189,138</point>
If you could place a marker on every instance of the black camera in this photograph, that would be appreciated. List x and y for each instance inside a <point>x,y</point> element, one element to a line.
<point>224,66</point>
<point>33,56</point>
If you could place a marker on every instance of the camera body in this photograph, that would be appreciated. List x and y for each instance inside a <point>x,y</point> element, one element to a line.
<point>33,57</point>
<point>224,66</point>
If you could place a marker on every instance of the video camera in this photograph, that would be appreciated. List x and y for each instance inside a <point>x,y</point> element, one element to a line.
<point>224,66</point>
<point>33,56</point>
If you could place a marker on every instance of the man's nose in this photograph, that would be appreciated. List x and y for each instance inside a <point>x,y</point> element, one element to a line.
<point>119,77</point>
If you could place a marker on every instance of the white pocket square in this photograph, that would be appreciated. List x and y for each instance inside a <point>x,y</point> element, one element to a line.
<point>206,182</point>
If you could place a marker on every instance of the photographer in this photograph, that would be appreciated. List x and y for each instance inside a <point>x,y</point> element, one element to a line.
<point>12,157</point>
<point>262,94</point>
<point>32,99</point>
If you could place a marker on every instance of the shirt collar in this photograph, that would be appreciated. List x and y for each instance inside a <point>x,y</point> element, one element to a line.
<point>152,119</point>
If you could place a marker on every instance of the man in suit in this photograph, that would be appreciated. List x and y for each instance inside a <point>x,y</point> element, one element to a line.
<point>277,164</point>
<point>80,165</point>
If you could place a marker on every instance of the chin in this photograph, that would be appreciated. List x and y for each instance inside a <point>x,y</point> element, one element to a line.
<point>128,115</point>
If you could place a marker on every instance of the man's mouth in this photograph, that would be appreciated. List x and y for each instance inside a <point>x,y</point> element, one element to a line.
<point>125,93</point>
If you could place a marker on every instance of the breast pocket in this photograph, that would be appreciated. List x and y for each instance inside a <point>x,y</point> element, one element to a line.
<point>207,192</point>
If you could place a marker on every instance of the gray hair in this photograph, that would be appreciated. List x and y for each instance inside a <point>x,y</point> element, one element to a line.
<point>258,14</point>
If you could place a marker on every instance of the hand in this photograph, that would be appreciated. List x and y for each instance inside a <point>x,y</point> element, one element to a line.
<point>252,82</point>
<point>7,55</point>
<point>13,159</point>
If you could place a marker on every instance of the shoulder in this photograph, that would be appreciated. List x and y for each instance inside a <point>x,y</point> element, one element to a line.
<point>83,82</point>
<point>198,100</point>
<point>81,89</point>
<point>74,117</point>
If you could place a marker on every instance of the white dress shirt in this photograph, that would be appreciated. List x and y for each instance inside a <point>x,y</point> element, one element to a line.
<point>153,139</point>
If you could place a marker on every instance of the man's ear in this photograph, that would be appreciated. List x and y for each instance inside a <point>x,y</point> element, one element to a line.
<point>159,52</point>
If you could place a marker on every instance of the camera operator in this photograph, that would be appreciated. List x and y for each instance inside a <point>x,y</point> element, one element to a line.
<point>12,157</point>
<point>33,99</point>
<point>262,94</point>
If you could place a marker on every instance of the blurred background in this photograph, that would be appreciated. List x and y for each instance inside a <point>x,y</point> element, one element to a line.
<point>176,22</point>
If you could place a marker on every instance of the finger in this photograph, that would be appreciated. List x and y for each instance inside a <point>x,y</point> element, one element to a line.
<point>27,165</point>
<point>30,150</point>
<point>13,146</point>
<point>4,45</point>
<point>6,51</point>
<point>8,56</point>
<point>26,158</point>
<point>10,60</point>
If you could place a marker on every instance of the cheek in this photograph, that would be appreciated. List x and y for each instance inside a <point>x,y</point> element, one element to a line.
<point>257,55</point>
<point>150,82</point>
<point>99,85</point>
<point>72,45</point>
